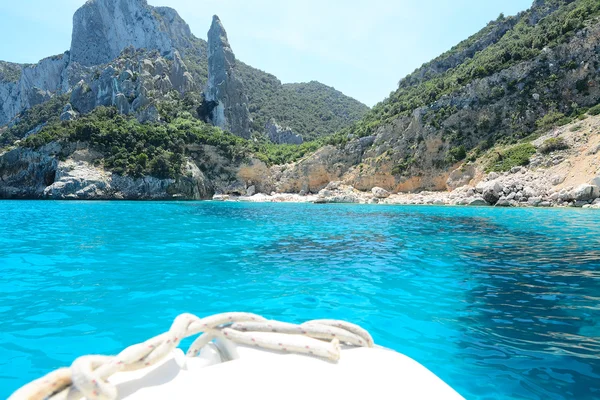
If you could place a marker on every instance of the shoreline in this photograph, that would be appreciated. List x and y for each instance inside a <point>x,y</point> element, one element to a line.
<point>447,199</point>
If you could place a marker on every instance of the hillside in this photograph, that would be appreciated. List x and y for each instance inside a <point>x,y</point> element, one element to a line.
<point>312,109</point>
<point>518,75</point>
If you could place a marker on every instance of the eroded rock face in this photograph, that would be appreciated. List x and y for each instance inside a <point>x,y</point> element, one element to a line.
<point>68,113</point>
<point>280,135</point>
<point>103,28</point>
<point>133,83</point>
<point>180,77</point>
<point>25,173</point>
<point>586,192</point>
<point>35,174</point>
<point>225,88</point>
<point>460,177</point>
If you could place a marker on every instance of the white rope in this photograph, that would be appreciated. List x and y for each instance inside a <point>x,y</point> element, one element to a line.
<point>88,375</point>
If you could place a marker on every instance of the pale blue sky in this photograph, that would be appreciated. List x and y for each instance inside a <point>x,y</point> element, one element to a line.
<point>360,47</point>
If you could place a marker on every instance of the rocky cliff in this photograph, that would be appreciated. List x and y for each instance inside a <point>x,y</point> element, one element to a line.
<point>102,29</point>
<point>69,171</point>
<point>137,82</point>
<point>29,85</point>
<point>278,134</point>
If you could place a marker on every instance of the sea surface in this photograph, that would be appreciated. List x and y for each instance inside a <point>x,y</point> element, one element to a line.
<point>499,303</point>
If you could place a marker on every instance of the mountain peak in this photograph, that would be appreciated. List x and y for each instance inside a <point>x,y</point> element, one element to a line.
<point>103,28</point>
<point>218,33</point>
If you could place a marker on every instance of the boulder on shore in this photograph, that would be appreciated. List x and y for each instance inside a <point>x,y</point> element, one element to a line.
<point>380,193</point>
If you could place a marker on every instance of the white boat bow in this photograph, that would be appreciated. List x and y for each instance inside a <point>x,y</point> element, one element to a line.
<point>242,355</point>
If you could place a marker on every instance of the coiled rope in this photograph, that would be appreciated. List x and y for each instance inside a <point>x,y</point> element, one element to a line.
<point>88,375</point>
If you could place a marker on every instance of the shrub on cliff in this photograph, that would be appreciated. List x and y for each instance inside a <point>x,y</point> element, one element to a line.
<point>456,154</point>
<point>594,110</point>
<point>132,148</point>
<point>37,116</point>
<point>514,156</point>
<point>158,149</point>
<point>553,144</point>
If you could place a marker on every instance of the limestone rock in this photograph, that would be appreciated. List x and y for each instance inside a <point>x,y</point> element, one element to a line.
<point>181,79</point>
<point>336,192</point>
<point>225,89</point>
<point>122,103</point>
<point>380,193</point>
<point>557,179</point>
<point>492,176</point>
<point>503,202</point>
<point>251,191</point>
<point>333,185</point>
<point>460,177</point>
<point>163,84</point>
<point>78,180</point>
<point>279,135</point>
<point>236,188</point>
<point>25,173</point>
<point>192,184</point>
<point>491,191</point>
<point>68,113</point>
<point>37,83</point>
<point>160,66</point>
<point>83,98</point>
<point>586,192</point>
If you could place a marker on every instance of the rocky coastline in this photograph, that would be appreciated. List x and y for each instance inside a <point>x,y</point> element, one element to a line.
<point>491,193</point>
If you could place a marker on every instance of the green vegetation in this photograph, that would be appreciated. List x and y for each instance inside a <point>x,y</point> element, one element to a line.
<point>132,148</point>
<point>594,110</point>
<point>456,154</point>
<point>552,120</point>
<point>45,113</point>
<point>282,153</point>
<point>10,72</point>
<point>401,168</point>
<point>197,62</point>
<point>576,128</point>
<point>553,144</point>
<point>514,156</point>
<point>158,149</point>
<point>503,112</point>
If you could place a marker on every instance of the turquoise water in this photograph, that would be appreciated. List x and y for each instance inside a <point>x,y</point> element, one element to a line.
<point>501,304</point>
